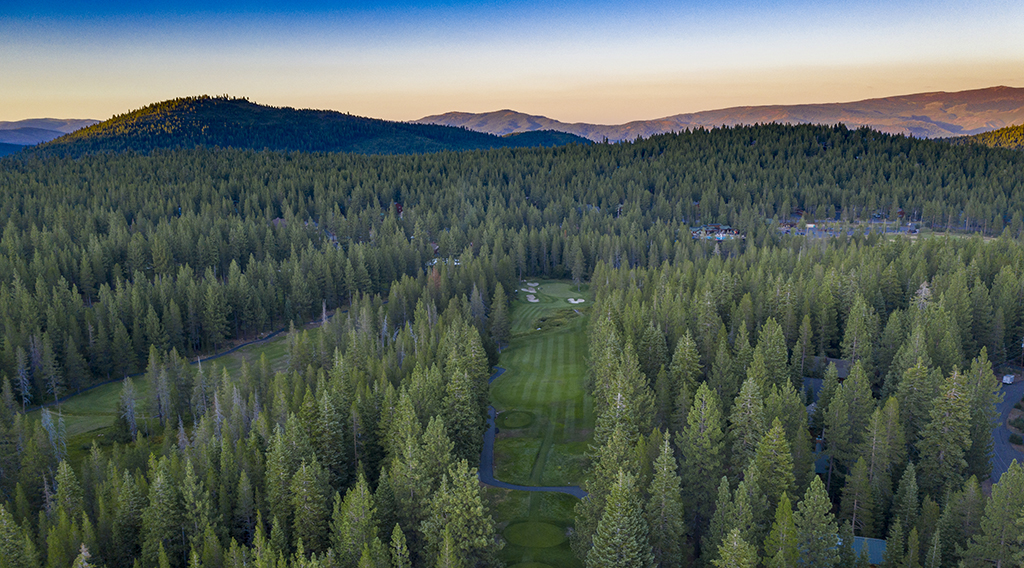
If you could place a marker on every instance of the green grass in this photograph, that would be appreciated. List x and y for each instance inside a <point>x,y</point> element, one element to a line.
<point>514,419</point>
<point>513,507</point>
<point>91,415</point>
<point>552,296</point>
<point>565,464</point>
<point>545,371</point>
<point>514,459</point>
<point>535,534</point>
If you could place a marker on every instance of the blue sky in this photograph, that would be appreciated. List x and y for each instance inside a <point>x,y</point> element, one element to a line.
<point>594,61</point>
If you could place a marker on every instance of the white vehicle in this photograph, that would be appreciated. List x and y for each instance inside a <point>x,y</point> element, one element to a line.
<point>1008,379</point>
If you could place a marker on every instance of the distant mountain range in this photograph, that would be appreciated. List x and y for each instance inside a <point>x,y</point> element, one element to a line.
<point>925,115</point>
<point>37,130</point>
<point>237,123</point>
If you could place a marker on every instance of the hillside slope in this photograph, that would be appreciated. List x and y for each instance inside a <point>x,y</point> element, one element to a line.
<point>237,123</point>
<point>1011,137</point>
<point>924,115</point>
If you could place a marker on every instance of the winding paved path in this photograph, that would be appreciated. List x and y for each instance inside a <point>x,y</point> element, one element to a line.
<point>1003,453</point>
<point>486,470</point>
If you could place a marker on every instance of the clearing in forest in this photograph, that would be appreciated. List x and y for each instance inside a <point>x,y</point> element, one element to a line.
<point>545,420</point>
<point>91,415</point>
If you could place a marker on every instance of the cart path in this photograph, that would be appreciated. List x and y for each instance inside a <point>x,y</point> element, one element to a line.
<point>1003,453</point>
<point>486,470</point>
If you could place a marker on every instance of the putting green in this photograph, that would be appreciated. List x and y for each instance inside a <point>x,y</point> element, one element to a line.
<point>514,419</point>
<point>535,534</point>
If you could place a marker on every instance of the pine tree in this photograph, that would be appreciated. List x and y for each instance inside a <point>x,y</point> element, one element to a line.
<point>684,370</point>
<point>907,503</point>
<point>399,551</point>
<point>746,424</point>
<point>621,538</point>
<point>1002,531</point>
<point>161,519</point>
<point>457,507</point>
<point>803,350</point>
<point>817,533</point>
<point>462,417</point>
<point>501,327</point>
<point>629,402</point>
<point>198,509</point>
<point>69,493</point>
<point>960,521</point>
<point>774,464</point>
<point>127,525</point>
<point>702,446</point>
<point>618,453</point>
<point>895,546</point>
<point>917,392</point>
<point>449,555</point>
<point>736,552</point>
<point>861,329</point>
<point>771,347</point>
<point>847,556</point>
<point>912,559</point>
<point>858,504</point>
<point>884,450</point>
<point>16,548</point>
<point>945,440</point>
<point>309,492</point>
<point>665,510</point>
<point>985,395</point>
<point>354,522</point>
<point>780,548</point>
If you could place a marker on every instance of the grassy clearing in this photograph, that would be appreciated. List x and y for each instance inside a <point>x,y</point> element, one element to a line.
<point>90,416</point>
<point>545,370</point>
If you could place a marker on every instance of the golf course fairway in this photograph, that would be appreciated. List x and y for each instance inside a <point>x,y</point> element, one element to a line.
<point>545,419</point>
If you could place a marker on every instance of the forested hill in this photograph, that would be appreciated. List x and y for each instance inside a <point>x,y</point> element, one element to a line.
<point>237,123</point>
<point>1011,137</point>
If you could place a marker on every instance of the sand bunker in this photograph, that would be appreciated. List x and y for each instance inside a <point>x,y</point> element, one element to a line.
<point>575,301</point>
<point>534,284</point>
<point>531,298</point>
<point>530,290</point>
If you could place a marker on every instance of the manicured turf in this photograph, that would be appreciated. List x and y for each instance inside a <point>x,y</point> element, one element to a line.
<point>535,534</point>
<point>514,419</point>
<point>545,372</point>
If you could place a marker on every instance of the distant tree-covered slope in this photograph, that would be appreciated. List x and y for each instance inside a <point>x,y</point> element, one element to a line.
<point>1011,137</point>
<point>237,123</point>
<point>6,149</point>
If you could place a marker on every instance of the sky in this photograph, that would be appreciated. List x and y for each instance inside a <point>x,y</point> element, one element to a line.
<point>592,61</point>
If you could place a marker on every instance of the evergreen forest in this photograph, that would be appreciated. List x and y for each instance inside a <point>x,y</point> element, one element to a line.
<point>398,278</point>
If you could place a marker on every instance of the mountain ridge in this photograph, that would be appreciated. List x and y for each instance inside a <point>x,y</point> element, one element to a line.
<point>206,121</point>
<point>33,131</point>
<point>937,114</point>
